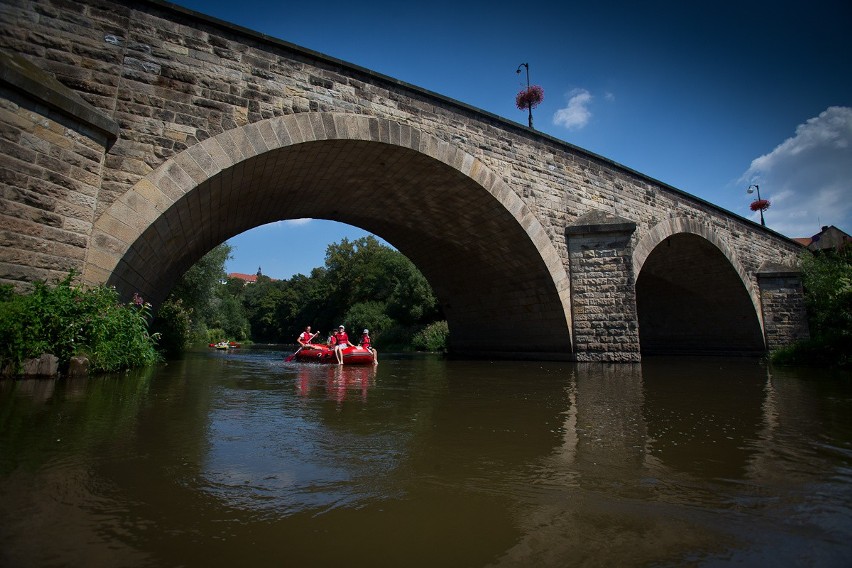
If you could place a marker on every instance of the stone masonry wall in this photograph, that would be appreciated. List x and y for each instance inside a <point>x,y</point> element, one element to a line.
<point>784,314</point>
<point>603,296</point>
<point>172,79</point>
<point>50,172</point>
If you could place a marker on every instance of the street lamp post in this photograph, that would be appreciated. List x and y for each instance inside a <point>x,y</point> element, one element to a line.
<point>529,107</point>
<point>751,189</point>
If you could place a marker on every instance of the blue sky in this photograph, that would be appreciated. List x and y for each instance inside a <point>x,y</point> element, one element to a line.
<point>706,97</point>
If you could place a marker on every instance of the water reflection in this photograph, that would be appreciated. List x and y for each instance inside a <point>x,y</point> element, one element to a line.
<point>239,457</point>
<point>336,380</point>
<point>660,466</point>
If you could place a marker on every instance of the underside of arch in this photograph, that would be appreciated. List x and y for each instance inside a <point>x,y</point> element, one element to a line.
<point>501,284</point>
<point>691,300</point>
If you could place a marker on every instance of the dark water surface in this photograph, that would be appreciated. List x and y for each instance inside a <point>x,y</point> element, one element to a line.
<point>239,459</point>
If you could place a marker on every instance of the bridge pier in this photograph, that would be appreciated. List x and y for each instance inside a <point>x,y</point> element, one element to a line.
<point>603,289</point>
<point>782,301</point>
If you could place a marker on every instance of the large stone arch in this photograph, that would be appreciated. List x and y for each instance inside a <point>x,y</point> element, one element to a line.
<point>687,276</point>
<point>491,262</point>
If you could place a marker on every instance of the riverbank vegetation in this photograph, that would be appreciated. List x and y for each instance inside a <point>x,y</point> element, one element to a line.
<point>827,280</point>
<point>67,320</point>
<point>362,284</point>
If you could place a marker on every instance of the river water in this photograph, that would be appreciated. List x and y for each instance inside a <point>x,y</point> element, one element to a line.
<point>237,458</point>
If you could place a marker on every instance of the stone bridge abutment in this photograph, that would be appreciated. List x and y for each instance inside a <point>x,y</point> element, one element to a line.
<point>137,136</point>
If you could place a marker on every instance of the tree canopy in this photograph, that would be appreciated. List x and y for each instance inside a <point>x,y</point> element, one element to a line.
<point>363,284</point>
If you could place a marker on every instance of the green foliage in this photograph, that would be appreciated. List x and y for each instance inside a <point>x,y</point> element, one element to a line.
<point>66,320</point>
<point>262,302</point>
<point>197,287</point>
<point>366,271</point>
<point>363,284</point>
<point>826,350</point>
<point>215,335</point>
<point>827,280</point>
<point>208,302</point>
<point>411,300</point>
<point>174,324</point>
<point>367,315</point>
<point>433,337</point>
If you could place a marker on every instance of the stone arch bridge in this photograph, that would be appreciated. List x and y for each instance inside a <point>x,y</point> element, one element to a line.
<point>138,135</point>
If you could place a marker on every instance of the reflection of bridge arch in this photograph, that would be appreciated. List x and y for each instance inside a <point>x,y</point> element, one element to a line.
<point>492,264</point>
<point>692,293</point>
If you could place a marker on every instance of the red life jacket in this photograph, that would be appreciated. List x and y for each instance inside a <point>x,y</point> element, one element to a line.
<point>365,341</point>
<point>341,338</point>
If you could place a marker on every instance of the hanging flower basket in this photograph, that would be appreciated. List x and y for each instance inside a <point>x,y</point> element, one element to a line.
<point>760,205</point>
<point>530,97</point>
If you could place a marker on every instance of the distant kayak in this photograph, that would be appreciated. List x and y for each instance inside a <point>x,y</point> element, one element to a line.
<point>225,345</point>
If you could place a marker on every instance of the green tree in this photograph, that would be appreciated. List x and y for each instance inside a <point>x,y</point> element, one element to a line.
<point>363,283</point>
<point>210,301</point>
<point>827,280</point>
<point>174,325</point>
<point>411,300</point>
<point>261,305</point>
<point>196,288</point>
<point>369,315</point>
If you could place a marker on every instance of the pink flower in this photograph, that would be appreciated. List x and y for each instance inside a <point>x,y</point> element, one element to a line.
<point>530,97</point>
<point>760,205</point>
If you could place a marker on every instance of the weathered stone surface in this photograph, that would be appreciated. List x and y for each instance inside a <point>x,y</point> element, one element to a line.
<point>47,365</point>
<point>782,300</point>
<point>78,366</point>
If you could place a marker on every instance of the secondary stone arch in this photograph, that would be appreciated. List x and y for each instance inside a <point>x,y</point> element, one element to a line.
<point>489,259</point>
<point>692,293</point>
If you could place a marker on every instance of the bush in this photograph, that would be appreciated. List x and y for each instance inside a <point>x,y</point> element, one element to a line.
<point>825,351</point>
<point>827,281</point>
<point>434,337</point>
<point>66,320</point>
<point>215,335</point>
<point>174,324</point>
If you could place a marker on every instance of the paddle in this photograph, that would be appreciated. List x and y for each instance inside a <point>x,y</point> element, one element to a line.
<point>289,358</point>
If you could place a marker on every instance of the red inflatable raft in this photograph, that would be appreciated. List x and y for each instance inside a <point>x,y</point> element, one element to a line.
<point>355,355</point>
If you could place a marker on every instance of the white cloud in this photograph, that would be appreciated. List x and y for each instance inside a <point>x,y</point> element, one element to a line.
<point>275,227</point>
<point>577,114</point>
<point>297,222</point>
<point>808,178</point>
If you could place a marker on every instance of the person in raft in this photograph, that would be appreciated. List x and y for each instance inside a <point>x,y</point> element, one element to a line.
<point>341,342</point>
<point>306,336</point>
<point>366,343</point>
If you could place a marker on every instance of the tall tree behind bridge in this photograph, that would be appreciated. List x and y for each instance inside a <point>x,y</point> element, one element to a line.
<point>363,283</point>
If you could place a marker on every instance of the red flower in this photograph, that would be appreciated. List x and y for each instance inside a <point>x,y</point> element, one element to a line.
<point>760,205</point>
<point>530,97</point>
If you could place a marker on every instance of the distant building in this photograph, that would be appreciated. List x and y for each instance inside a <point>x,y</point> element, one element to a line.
<point>247,278</point>
<point>829,237</point>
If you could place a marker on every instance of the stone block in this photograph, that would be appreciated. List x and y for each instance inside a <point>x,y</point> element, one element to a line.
<point>78,366</point>
<point>46,365</point>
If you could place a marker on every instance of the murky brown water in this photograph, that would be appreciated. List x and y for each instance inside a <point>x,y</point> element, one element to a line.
<point>237,458</point>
